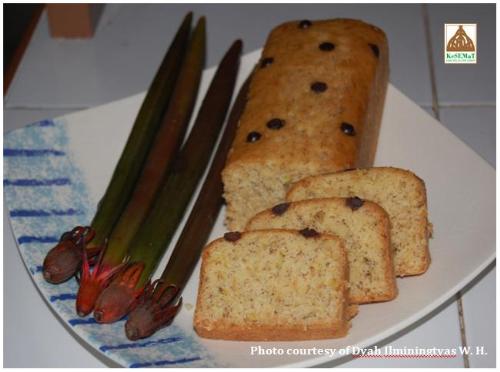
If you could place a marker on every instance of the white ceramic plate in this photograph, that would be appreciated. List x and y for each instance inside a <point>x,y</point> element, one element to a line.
<point>56,171</point>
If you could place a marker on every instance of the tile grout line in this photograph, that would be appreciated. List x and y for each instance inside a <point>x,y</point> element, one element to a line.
<point>467,105</point>
<point>430,61</point>
<point>47,107</point>
<point>459,105</point>
<point>85,107</point>
<point>460,308</point>
<point>435,109</point>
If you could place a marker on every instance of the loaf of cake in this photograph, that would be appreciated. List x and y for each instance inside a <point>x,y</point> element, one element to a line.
<point>273,285</point>
<point>363,225</point>
<point>314,106</point>
<point>400,192</point>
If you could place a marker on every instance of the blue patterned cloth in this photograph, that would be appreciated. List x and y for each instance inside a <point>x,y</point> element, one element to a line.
<point>46,196</point>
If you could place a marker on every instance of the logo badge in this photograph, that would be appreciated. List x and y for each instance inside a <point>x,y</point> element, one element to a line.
<point>460,43</point>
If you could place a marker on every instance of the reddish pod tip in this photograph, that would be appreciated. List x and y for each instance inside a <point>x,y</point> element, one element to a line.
<point>63,260</point>
<point>93,283</point>
<point>116,300</point>
<point>155,309</point>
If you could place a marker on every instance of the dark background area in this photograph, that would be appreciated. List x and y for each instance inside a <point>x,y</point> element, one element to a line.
<point>18,20</point>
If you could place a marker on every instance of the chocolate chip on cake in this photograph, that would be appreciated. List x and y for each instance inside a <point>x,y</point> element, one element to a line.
<point>375,49</point>
<point>280,208</point>
<point>275,123</point>
<point>232,236</point>
<point>305,24</point>
<point>354,203</point>
<point>327,46</point>
<point>258,174</point>
<point>347,129</point>
<point>318,87</point>
<point>309,233</point>
<point>266,62</point>
<point>253,136</point>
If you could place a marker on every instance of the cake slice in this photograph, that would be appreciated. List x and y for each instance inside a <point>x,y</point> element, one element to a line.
<point>273,285</point>
<point>363,225</point>
<point>400,192</point>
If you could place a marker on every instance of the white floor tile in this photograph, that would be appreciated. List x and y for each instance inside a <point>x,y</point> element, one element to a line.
<point>465,83</point>
<point>480,318</point>
<point>476,126</point>
<point>131,39</point>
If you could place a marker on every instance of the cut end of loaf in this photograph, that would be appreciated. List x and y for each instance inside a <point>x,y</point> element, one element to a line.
<point>251,187</point>
<point>365,230</point>
<point>400,192</point>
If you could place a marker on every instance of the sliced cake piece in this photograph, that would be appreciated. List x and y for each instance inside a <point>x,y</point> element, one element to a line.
<point>400,192</point>
<point>363,225</point>
<point>273,285</point>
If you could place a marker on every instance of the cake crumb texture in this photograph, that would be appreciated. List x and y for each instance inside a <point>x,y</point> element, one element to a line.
<point>273,285</point>
<point>363,225</point>
<point>400,192</point>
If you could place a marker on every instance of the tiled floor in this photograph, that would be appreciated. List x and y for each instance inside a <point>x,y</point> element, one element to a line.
<point>480,317</point>
<point>473,124</point>
<point>135,33</point>
<point>61,76</point>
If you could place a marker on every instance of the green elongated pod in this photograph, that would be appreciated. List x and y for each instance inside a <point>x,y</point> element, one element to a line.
<point>143,133</point>
<point>158,306</point>
<point>164,149</point>
<point>64,260</point>
<point>152,238</point>
<point>158,163</point>
<point>206,208</point>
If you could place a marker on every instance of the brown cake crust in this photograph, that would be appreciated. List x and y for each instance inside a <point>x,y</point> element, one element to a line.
<point>262,333</point>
